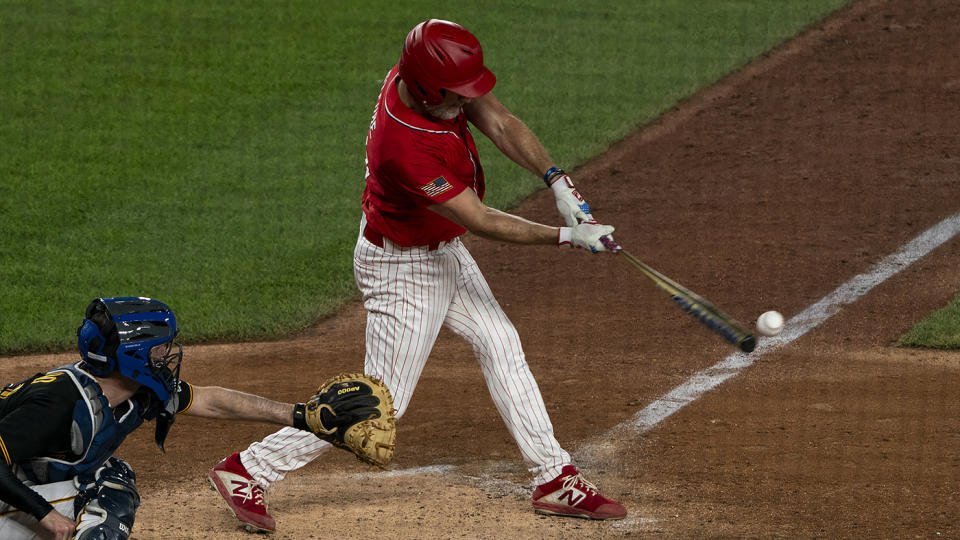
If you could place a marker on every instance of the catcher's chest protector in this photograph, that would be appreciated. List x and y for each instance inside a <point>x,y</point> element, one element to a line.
<point>94,433</point>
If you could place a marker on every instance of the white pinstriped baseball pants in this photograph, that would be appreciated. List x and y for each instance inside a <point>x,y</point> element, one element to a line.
<point>409,294</point>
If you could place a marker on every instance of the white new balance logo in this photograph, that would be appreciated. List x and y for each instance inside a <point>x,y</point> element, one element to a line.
<point>573,496</point>
<point>241,489</point>
<point>246,491</point>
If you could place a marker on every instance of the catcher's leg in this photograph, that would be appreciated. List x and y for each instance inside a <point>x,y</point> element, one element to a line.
<point>107,502</point>
<point>18,525</point>
<point>477,316</point>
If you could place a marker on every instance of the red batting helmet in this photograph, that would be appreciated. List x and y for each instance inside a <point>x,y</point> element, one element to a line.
<point>441,55</point>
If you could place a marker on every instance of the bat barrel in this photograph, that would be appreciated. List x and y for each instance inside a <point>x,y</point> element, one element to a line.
<point>705,312</point>
<point>718,323</point>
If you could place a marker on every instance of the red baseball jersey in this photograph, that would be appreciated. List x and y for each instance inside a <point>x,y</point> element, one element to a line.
<point>414,162</point>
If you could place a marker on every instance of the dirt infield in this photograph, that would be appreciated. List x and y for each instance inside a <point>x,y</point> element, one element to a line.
<point>766,191</point>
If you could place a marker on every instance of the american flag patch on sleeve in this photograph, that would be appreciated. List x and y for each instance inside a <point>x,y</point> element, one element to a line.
<point>436,187</point>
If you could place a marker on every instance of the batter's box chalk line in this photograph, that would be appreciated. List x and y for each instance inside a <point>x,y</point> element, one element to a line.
<point>415,471</point>
<point>631,523</point>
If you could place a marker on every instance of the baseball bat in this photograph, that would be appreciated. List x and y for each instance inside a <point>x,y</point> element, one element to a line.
<point>692,303</point>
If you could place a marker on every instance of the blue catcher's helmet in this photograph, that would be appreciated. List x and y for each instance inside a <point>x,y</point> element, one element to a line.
<point>134,336</point>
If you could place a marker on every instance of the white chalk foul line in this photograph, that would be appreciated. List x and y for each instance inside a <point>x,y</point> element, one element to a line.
<point>797,326</point>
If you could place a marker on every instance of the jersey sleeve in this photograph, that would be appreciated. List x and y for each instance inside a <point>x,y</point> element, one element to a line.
<point>39,425</point>
<point>17,494</point>
<point>184,396</point>
<point>36,424</point>
<point>428,177</point>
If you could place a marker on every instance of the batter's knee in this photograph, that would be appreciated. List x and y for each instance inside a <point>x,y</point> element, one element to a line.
<point>107,502</point>
<point>400,391</point>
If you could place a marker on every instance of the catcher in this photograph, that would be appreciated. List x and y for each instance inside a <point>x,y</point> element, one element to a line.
<point>59,429</point>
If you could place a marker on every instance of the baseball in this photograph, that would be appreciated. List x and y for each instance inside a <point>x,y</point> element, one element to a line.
<point>770,323</point>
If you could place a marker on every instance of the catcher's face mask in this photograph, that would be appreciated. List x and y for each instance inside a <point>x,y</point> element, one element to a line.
<point>164,363</point>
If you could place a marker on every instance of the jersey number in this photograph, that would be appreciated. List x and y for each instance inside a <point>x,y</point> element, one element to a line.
<point>49,377</point>
<point>7,392</point>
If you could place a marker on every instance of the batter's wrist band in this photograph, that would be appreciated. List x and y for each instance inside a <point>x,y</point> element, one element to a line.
<point>563,236</point>
<point>552,173</point>
<point>300,416</point>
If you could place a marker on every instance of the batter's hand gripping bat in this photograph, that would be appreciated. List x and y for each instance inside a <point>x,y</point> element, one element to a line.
<point>703,311</point>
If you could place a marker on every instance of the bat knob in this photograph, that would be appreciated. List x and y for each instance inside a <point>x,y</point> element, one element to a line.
<point>611,246</point>
<point>747,344</point>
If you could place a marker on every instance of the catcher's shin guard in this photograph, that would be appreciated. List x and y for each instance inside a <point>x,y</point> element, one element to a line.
<point>107,503</point>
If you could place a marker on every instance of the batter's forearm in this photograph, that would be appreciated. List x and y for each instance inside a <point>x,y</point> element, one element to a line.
<point>228,404</point>
<point>498,225</point>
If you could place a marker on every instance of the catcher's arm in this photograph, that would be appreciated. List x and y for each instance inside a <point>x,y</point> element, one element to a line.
<point>352,411</point>
<point>228,404</point>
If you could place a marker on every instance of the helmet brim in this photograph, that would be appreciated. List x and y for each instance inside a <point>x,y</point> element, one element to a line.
<point>478,86</point>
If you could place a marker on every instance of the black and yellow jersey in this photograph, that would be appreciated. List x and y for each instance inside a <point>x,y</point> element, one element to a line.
<point>38,422</point>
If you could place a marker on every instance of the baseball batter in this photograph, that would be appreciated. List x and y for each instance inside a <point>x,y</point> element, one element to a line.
<point>59,429</point>
<point>424,189</point>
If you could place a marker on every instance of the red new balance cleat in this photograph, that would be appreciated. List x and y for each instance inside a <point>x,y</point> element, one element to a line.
<point>243,495</point>
<point>571,495</point>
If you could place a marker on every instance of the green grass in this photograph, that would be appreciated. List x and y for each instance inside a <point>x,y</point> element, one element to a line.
<point>941,330</point>
<point>210,154</point>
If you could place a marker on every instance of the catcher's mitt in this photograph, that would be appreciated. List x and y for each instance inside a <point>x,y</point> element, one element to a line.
<point>353,411</point>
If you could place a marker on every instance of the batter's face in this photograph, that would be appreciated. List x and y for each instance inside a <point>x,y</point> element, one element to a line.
<point>449,108</point>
